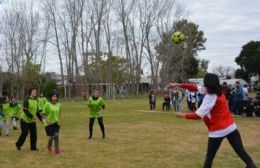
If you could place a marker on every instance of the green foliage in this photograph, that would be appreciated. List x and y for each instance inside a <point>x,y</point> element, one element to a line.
<point>174,56</point>
<point>48,87</point>
<point>113,69</point>
<point>118,69</point>
<point>201,73</point>
<point>249,58</point>
<point>241,73</point>
<point>203,67</point>
<point>31,76</point>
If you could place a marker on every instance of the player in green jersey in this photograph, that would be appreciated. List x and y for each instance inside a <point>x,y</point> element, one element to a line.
<point>52,120</point>
<point>4,120</point>
<point>42,100</point>
<point>96,105</point>
<point>15,111</point>
<point>28,121</point>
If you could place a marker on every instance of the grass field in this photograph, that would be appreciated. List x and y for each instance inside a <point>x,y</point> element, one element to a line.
<point>136,138</point>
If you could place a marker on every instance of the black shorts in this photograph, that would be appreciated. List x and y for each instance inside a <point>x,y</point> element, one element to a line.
<point>52,129</point>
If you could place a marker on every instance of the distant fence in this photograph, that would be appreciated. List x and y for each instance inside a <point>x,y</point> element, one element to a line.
<point>107,90</point>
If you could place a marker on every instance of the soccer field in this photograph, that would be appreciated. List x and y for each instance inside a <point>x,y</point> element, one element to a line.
<point>136,138</point>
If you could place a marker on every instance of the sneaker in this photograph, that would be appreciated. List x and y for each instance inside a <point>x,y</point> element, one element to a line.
<point>34,149</point>
<point>18,147</point>
<point>60,153</point>
<point>90,137</point>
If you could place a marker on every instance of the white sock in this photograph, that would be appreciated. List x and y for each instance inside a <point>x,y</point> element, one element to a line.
<point>14,122</point>
<point>1,126</point>
<point>7,127</point>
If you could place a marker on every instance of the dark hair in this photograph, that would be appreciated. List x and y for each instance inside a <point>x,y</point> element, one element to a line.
<point>54,94</point>
<point>12,97</point>
<point>96,90</point>
<point>211,82</point>
<point>30,91</point>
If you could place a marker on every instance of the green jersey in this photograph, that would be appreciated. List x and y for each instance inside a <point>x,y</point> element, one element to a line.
<point>52,112</point>
<point>42,101</point>
<point>15,109</point>
<point>6,111</point>
<point>30,109</point>
<point>95,106</point>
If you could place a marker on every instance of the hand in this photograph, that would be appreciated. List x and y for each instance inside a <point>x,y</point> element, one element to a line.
<point>101,110</point>
<point>173,85</point>
<point>180,115</point>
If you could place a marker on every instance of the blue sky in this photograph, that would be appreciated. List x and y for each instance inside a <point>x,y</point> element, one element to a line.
<point>228,25</point>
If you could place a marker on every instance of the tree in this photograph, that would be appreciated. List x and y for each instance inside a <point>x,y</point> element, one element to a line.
<point>48,87</point>
<point>203,67</point>
<point>50,9</point>
<point>23,42</point>
<point>240,73</point>
<point>118,72</point>
<point>83,33</point>
<point>1,82</point>
<point>31,76</point>
<point>155,9</point>
<point>123,10</point>
<point>249,58</point>
<point>224,71</point>
<point>179,62</point>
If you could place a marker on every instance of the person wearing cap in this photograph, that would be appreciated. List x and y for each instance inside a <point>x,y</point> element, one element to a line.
<point>52,120</point>
<point>28,121</point>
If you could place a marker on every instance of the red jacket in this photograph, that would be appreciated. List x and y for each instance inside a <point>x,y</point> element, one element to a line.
<point>219,117</point>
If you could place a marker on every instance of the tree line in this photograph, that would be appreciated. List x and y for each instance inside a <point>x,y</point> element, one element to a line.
<point>96,41</point>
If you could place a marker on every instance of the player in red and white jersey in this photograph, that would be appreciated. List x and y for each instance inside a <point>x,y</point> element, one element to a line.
<point>215,112</point>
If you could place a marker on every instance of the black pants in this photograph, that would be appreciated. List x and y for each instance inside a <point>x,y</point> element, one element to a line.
<point>166,106</point>
<point>199,103</point>
<point>101,124</point>
<point>152,106</point>
<point>235,141</point>
<point>193,107</point>
<point>238,107</point>
<point>26,128</point>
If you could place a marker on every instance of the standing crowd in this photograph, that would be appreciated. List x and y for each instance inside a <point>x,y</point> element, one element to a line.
<point>239,101</point>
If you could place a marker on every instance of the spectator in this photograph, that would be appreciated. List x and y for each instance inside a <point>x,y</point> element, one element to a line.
<point>238,99</point>
<point>166,102</point>
<point>152,100</point>
<point>177,97</point>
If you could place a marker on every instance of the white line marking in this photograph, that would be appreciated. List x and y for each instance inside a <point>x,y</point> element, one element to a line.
<point>147,111</point>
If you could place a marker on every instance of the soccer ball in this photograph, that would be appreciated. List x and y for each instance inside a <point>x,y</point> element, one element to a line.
<point>178,37</point>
